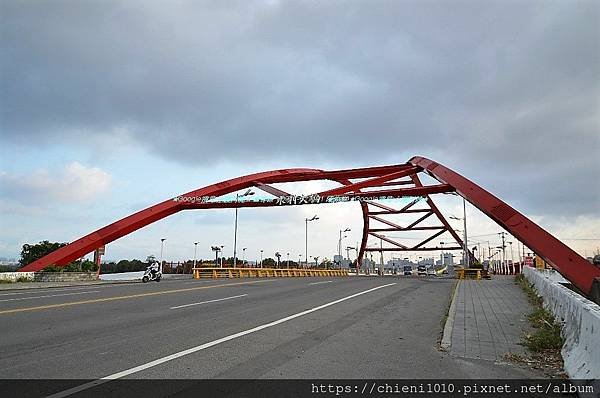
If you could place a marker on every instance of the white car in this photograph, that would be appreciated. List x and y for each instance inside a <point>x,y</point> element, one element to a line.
<point>431,272</point>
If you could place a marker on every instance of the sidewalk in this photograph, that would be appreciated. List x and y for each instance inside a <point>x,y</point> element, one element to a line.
<point>487,318</point>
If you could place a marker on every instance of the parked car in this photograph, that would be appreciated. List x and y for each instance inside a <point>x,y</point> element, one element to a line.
<point>421,270</point>
<point>431,272</point>
<point>407,270</point>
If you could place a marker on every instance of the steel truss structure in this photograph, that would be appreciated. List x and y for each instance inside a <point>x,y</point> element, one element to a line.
<point>365,186</point>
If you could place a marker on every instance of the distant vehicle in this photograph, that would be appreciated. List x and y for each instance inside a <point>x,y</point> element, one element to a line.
<point>407,270</point>
<point>431,271</point>
<point>421,270</point>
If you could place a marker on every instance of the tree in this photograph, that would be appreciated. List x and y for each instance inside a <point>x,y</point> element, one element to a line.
<point>269,263</point>
<point>30,253</point>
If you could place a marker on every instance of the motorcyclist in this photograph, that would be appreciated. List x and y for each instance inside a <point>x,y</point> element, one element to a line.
<point>153,269</point>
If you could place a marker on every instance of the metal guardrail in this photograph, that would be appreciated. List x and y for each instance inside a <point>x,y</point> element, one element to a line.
<point>264,272</point>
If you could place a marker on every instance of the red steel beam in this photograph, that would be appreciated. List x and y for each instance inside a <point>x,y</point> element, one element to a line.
<point>583,275</point>
<point>388,240</point>
<point>422,249</point>
<point>400,211</point>
<point>580,272</point>
<point>406,229</point>
<point>373,182</point>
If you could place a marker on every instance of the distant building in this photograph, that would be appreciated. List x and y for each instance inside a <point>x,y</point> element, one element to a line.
<point>428,262</point>
<point>446,259</point>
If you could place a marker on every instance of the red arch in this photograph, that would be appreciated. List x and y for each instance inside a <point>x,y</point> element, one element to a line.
<point>575,268</point>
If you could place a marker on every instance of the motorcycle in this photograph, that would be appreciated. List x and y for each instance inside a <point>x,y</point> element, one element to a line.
<point>149,276</point>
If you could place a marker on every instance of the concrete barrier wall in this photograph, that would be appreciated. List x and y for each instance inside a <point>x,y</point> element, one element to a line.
<point>48,276</point>
<point>581,323</point>
<point>64,276</point>
<point>13,276</point>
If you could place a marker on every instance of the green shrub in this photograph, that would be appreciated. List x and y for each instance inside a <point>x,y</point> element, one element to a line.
<point>547,332</point>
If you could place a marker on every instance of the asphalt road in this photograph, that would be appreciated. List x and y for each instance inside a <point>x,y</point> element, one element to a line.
<point>354,327</point>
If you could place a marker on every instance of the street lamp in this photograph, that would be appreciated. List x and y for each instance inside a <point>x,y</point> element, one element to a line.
<point>316,261</point>
<point>237,201</point>
<point>261,254</point>
<point>340,241</point>
<point>222,246</point>
<point>162,241</point>
<point>314,218</point>
<point>244,256</point>
<point>216,249</point>
<point>288,261</point>
<point>195,249</point>
<point>299,260</point>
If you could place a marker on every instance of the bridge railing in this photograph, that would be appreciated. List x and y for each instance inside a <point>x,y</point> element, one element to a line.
<point>264,272</point>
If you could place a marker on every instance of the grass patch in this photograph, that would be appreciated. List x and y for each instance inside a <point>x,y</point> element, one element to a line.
<point>547,332</point>
<point>3,281</point>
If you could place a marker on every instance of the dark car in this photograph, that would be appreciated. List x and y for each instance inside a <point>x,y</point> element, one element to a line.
<point>421,270</point>
<point>407,270</point>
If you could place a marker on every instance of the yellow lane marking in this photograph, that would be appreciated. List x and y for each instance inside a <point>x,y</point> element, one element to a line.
<point>45,307</point>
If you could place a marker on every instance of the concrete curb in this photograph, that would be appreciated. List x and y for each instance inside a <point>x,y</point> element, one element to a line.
<point>449,326</point>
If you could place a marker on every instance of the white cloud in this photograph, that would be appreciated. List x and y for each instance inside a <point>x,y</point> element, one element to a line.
<point>75,183</point>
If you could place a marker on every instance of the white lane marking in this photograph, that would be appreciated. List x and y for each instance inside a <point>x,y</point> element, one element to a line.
<point>318,283</point>
<point>49,295</point>
<point>209,301</point>
<point>204,346</point>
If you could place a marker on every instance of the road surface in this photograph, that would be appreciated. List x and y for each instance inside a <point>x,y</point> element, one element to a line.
<point>354,327</point>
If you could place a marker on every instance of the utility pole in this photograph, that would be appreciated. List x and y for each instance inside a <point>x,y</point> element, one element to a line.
<point>237,201</point>
<point>306,237</point>
<point>467,255</point>
<point>381,252</point>
<point>340,241</point>
<point>503,248</point>
<point>162,241</point>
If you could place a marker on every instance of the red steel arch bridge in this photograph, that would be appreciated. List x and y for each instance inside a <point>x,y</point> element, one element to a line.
<point>365,186</point>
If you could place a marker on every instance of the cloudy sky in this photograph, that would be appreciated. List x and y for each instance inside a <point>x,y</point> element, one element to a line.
<point>108,107</point>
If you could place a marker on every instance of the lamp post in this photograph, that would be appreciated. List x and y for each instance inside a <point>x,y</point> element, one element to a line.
<point>244,256</point>
<point>216,249</point>
<point>288,261</point>
<point>299,260</point>
<point>466,257</point>
<point>261,254</point>
<point>340,241</point>
<point>162,241</point>
<point>222,246</point>
<point>237,201</point>
<point>195,250</point>
<point>316,261</point>
<point>314,218</point>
